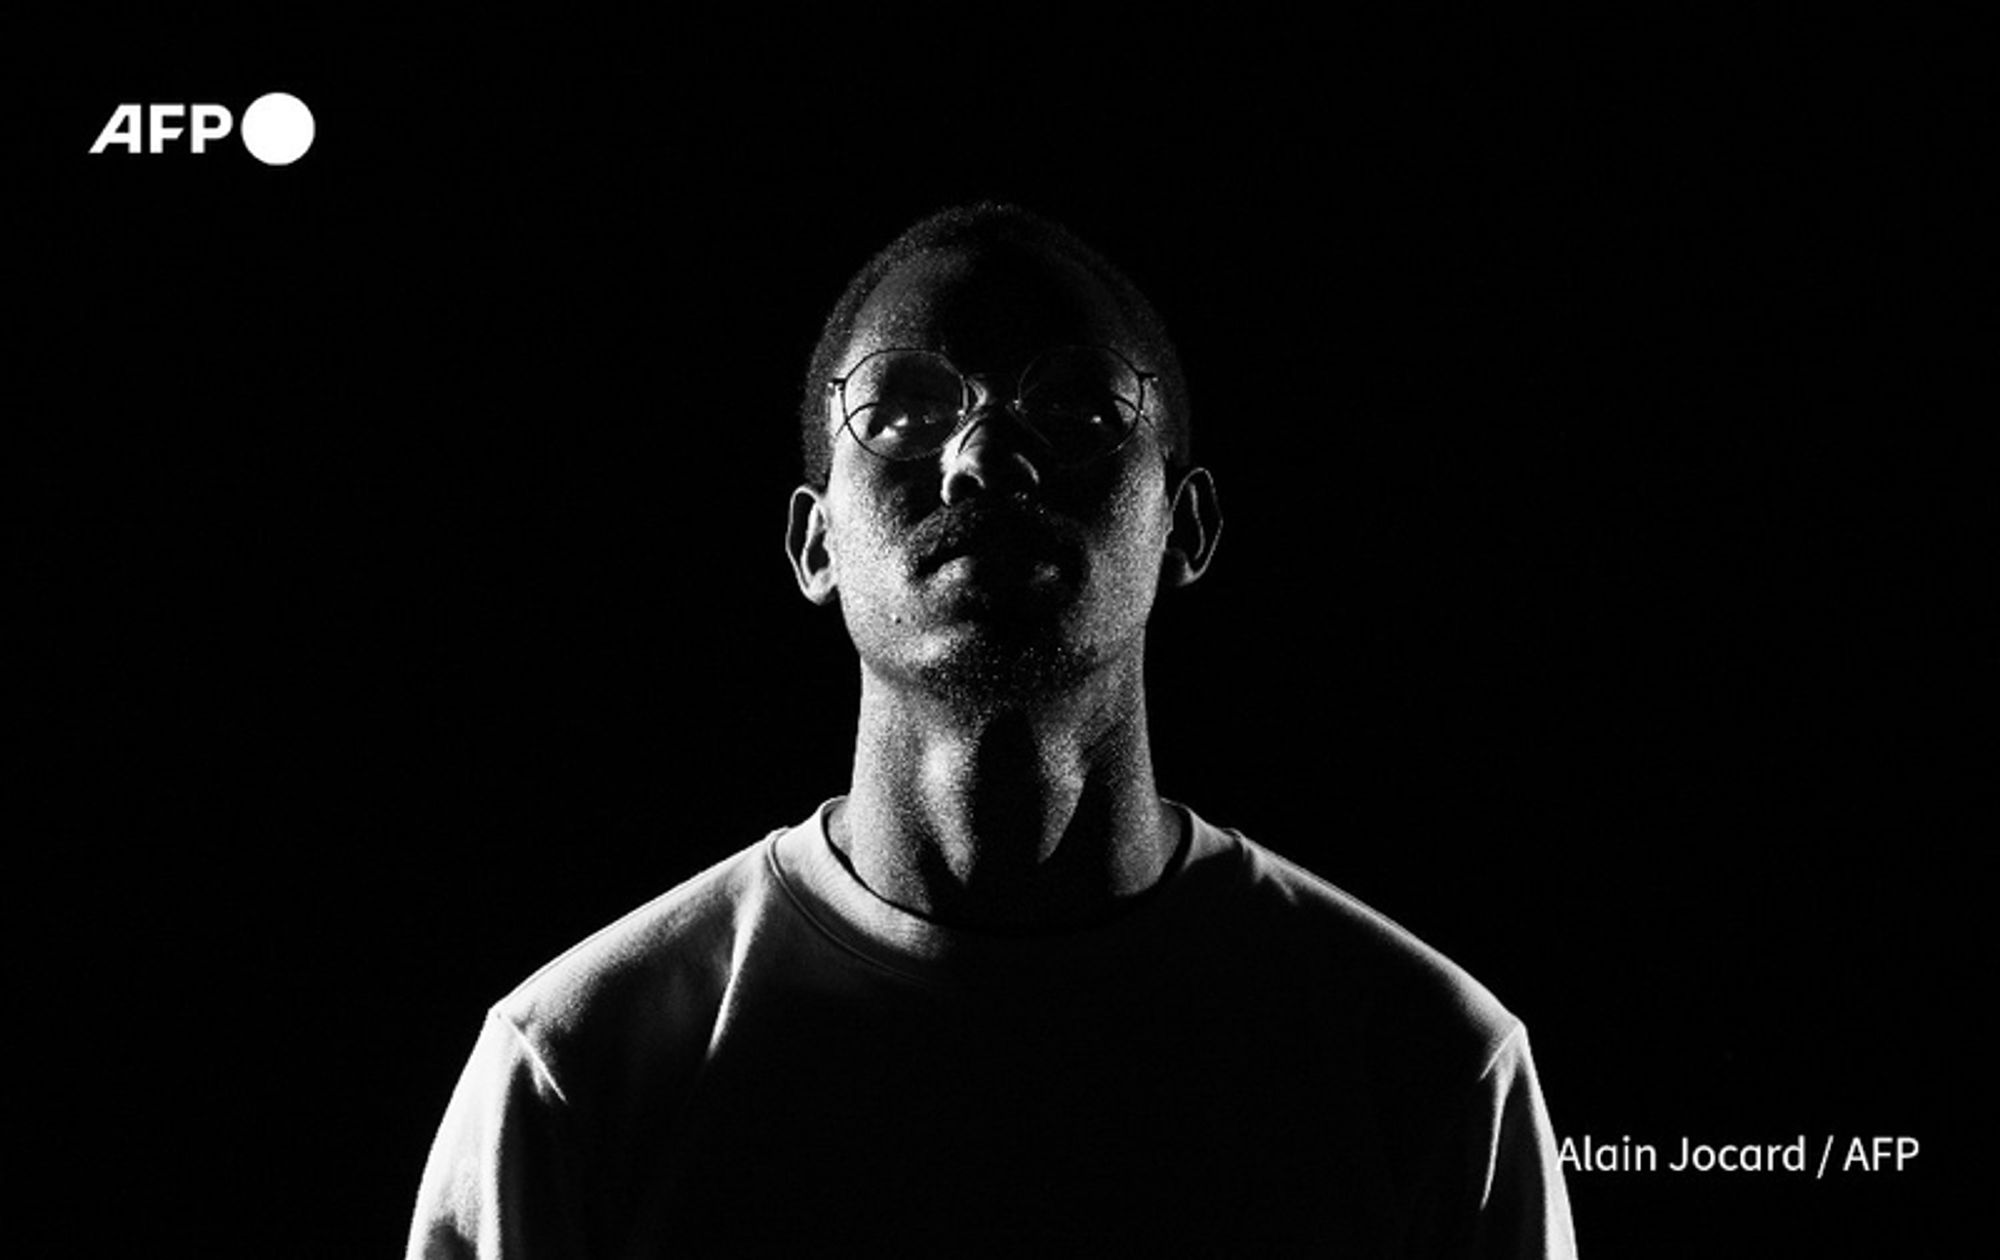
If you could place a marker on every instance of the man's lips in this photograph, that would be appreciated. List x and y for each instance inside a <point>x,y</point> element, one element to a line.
<point>1024,534</point>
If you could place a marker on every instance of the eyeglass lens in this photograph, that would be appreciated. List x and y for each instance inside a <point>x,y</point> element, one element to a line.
<point>1082,402</point>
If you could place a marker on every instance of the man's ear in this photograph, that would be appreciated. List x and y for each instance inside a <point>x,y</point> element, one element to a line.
<point>1194,530</point>
<point>805,544</point>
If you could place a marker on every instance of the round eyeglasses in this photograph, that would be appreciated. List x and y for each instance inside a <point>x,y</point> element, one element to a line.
<point>1082,402</point>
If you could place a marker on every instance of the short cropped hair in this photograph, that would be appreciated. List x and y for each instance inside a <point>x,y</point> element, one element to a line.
<point>977,226</point>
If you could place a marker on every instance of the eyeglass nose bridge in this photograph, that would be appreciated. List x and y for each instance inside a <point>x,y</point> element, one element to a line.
<point>978,393</point>
<point>980,401</point>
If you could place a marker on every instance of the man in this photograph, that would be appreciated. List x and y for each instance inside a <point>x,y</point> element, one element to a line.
<point>1001,998</point>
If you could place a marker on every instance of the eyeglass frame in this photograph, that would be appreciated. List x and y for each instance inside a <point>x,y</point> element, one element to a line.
<point>836,388</point>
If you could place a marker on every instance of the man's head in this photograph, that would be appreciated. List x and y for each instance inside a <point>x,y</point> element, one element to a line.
<point>997,447</point>
<point>997,231</point>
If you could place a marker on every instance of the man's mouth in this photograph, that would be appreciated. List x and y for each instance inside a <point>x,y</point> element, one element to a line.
<point>1026,536</point>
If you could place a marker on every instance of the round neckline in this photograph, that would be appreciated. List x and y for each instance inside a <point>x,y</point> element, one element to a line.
<point>819,881</point>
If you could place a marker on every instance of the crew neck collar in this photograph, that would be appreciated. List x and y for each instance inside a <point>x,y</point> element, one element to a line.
<point>819,881</point>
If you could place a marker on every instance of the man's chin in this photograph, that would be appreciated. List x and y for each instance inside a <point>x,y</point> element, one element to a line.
<point>999,661</point>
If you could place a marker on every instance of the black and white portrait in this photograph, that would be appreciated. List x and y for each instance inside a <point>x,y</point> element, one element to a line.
<point>1318,551</point>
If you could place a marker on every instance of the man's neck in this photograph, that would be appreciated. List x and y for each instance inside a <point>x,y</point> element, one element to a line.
<point>1019,819</point>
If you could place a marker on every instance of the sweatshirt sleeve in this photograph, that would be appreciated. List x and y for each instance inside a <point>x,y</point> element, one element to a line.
<point>498,1184</point>
<point>1500,1194</point>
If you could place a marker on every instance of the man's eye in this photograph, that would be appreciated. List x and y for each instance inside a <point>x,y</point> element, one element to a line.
<point>903,419</point>
<point>1079,412</point>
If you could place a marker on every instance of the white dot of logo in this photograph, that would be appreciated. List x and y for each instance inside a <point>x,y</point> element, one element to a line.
<point>277,128</point>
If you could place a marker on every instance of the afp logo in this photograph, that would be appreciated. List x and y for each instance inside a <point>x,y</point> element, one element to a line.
<point>277,128</point>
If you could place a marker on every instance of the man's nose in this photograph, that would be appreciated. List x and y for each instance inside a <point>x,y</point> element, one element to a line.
<point>993,456</point>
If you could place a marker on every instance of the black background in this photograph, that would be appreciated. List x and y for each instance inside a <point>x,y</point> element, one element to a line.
<point>404,594</point>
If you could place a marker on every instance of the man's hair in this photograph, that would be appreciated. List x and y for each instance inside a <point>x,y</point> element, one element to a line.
<point>981,226</point>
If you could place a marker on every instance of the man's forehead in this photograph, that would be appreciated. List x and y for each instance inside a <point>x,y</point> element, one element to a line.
<point>988,308</point>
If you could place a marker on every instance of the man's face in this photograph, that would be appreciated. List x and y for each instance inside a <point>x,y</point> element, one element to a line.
<point>989,563</point>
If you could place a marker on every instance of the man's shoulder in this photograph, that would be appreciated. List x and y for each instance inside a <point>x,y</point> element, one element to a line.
<point>1317,935</point>
<point>665,963</point>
